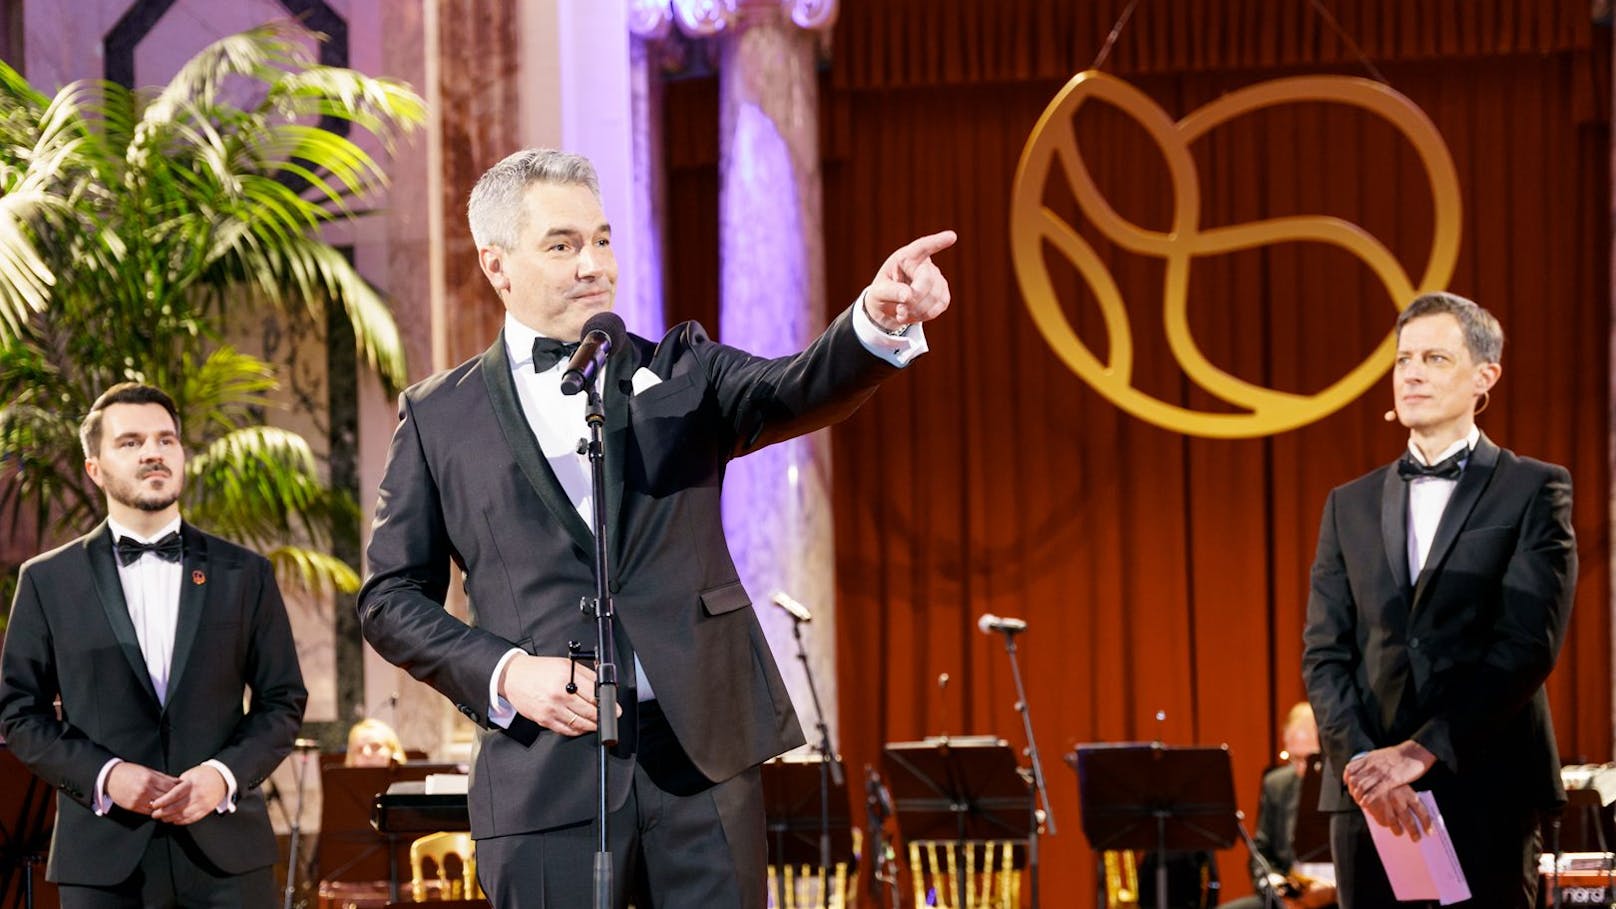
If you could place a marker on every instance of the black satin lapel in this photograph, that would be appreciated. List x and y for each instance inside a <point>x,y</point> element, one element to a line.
<point>194,588</point>
<point>496,370</point>
<point>1394,526</point>
<point>620,369</point>
<point>109,590</point>
<point>1477,474</point>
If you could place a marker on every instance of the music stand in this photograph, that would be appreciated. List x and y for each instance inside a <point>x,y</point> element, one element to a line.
<point>1310,840</point>
<point>27,814</point>
<point>959,789</point>
<point>791,807</point>
<point>350,849</point>
<point>1155,798</point>
<point>1584,823</point>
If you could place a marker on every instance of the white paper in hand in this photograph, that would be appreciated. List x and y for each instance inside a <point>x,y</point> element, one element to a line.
<point>1424,870</point>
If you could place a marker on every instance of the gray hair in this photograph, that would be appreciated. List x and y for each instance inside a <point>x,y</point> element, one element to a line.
<point>495,210</point>
<point>1484,337</point>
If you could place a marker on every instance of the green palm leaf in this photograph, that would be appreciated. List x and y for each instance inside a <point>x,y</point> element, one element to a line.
<point>313,570</point>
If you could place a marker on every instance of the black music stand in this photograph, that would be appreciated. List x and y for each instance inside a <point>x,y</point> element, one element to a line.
<point>350,849</point>
<point>27,814</point>
<point>1310,840</point>
<point>959,789</point>
<point>1154,798</point>
<point>1585,823</point>
<point>791,807</point>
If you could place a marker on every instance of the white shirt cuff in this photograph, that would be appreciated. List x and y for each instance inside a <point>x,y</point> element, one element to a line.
<point>895,349</point>
<point>100,801</point>
<point>500,711</point>
<point>228,806</point>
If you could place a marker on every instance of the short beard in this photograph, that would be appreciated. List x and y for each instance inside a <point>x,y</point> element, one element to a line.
<point>131,496</point>
<point>154,503</point>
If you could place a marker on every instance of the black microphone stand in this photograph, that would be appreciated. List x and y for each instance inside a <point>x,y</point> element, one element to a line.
<point>877,808</point>
<point>294,822</point>
<point>1037,765</point>
<point>605,645</point>
<point>1270,895</point>
<point>829,767</point>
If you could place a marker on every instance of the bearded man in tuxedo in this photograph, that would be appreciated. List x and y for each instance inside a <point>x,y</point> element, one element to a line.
<point>126,660</point>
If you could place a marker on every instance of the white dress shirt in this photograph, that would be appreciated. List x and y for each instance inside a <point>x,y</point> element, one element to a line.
<point>1427,499</point>
<point>151,591</point>
<point>557,421</point>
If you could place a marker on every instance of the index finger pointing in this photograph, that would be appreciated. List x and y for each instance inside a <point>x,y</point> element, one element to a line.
<point>919,250</point>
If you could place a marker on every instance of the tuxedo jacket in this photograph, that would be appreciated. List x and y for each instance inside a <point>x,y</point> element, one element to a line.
<point>70,636</point>
<point>466,481</point>
<point>1457,660</point>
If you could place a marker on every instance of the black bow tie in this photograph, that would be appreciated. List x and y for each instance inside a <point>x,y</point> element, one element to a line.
<point>1448,468</point>
<point>168,548</point>
<point>547,352</point>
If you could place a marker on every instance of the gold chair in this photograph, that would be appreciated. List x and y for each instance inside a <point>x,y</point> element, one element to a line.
<point>806,886</point>
<point>805,883</point>
<point>990,875</point>
<point>1121,879</point>
<point>440,850</point>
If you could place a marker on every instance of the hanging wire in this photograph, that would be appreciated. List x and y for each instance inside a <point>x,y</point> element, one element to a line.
<point>1318,7</point>
<point>1341,33</point>
<point>1116,31</point>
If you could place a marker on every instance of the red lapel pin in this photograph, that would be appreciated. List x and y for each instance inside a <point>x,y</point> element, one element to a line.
<point>198,578</point>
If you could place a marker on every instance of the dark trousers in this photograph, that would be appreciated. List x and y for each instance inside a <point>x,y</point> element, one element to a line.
<point>680,840</point>
<point>174,874</point>
<point>1497,847</point>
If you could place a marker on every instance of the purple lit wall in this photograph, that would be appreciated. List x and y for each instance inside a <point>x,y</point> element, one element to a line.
<point>772,302</point>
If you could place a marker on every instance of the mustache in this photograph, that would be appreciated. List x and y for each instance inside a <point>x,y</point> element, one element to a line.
<point>145,472</point>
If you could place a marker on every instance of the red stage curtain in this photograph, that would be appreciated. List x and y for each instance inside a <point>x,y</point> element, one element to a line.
<point>1160,572</point>
<point>926,43</point>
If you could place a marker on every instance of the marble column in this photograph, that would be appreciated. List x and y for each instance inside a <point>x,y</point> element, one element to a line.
<point>478,106</point>
<point>463,56</point>
<point>777,505</point>
<point>644,311</point>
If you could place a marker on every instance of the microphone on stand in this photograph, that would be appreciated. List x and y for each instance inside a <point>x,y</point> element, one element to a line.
<point>990,623</point>
<point>796,610</point>
<point>602,334</point>
<point>272,796</point>
<point>880,798</point>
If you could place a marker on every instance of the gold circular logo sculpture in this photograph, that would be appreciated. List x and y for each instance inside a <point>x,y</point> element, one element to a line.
<point>1267,411</point>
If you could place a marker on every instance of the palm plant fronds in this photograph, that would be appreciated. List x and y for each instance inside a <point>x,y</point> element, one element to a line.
<point>313,570</point>
<point>225,390</point>
<point>146,197</point>
<point>260,485</point>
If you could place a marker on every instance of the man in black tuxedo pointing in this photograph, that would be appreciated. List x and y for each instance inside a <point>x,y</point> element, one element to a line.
<point>485,471</point>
